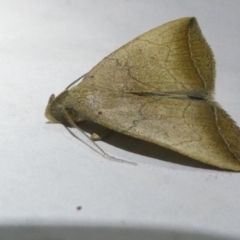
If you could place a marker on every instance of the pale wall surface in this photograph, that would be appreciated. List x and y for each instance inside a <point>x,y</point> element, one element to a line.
<point>46,174</point>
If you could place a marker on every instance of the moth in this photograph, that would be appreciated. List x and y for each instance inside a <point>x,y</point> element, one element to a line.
<point>158,88</point>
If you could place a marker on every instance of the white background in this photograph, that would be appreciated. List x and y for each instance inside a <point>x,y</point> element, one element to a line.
<point>45,173</point>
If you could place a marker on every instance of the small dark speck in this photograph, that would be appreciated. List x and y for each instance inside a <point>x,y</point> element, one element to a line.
<point>99,112</point>
<point>92,76</point>
<point>79,208</point>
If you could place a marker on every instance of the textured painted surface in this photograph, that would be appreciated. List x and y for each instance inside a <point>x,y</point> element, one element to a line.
<point>46,173</point>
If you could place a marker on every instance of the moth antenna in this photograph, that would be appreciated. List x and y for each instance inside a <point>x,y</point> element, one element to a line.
<point>74,82</point>
<point>102,153</point>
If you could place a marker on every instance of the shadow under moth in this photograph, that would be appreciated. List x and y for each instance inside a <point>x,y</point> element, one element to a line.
<point>158,88</point>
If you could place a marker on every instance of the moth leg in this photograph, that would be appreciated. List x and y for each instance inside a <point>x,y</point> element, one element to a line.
<point>78,121</point>
<point>101,134</point>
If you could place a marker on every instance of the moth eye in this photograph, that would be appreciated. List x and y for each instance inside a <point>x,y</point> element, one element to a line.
<point>69,109</point>
<point>100,112</point>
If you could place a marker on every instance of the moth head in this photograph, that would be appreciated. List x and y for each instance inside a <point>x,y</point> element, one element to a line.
<point>57,110</point>
<point>48,113</point>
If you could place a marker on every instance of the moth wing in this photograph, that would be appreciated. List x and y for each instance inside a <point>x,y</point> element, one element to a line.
<point>174,57</point>
<point>198,129</point>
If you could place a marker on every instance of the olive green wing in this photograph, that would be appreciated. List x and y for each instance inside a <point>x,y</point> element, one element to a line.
<point>196,128</point>
<point>174,58</point>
